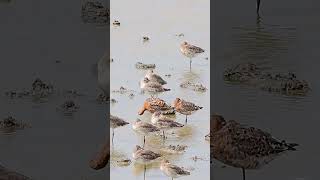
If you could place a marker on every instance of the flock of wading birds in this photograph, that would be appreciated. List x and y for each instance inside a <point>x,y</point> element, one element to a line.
<point>231,143</point>
<point>161,120</point>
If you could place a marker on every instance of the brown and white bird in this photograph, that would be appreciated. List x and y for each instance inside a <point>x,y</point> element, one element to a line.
<point>164,123</point>
<point>190,51</point>
<point>144,129</point>
<point>185,107</point>
<point>152,87</point>
<point>155,77</point>
<point>244,147</point>
<point>116,122</point>
<point>172,170</point>
<point>154,104</point>
<point>144,156</point>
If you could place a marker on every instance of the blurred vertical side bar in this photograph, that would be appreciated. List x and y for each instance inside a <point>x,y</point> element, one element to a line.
<point>102,157</point>
<point>212,77</point>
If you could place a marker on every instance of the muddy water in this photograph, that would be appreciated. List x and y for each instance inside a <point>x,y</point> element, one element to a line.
<point>161,21</point>
<point>286,40</point>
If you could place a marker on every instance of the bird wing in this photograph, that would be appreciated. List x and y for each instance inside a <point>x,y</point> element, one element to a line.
<point>147,154</point>
<point>178,170</point>
<point>245,141</point>
<point>196,49</point>
<point>189,106</point>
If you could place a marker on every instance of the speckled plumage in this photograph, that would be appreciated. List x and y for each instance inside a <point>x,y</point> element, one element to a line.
<point>116,122</point>
<point>156,104</point>
<point>144,127</point>
<point>185,107</point>
<point>155,77</point>
<point>190,50</point>
<point>244,147</point>
<point>164,123</point>
<point>143,155</point>
<point>174,149</point>
<point>152,86</point>
<point>172,170</point>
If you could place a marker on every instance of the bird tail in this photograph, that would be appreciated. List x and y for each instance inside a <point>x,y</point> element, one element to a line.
<point>166,89</point>
<point>291,146</point>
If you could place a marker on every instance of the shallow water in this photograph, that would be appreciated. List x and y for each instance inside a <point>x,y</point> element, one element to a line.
<point>286,40</point>
<point>161,21</point>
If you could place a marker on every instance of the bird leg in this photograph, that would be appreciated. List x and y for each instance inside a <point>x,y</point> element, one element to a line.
<point>243,174</point>
<point>186,119</point>
<point>164,137</point>
<point>258,7</point>
<point>144,174</point>
<point>144,140</point>
<point>190,63</point>
<point>112,135</point>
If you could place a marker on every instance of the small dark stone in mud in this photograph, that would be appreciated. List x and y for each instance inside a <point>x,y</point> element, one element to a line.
<point>122,90</point>
<point>193,86</point>
<point>196,158</point>
<point>116,23</point>
<point>140,65</point>
<point>206,58</point>
<point>113,101</point>
<point>168,75</point>
<point>111,60</point>
<point>252,75</point>
<point>94,12</point>
<point>12,123</point>
<point>39,89</point>
<point>102,98</point>
<point>175,149</point>
<point>145,38</point>
<point>124,162</point>
<point>69,106</point>
<point>17,94</point>
<point>73,92</point>
<point>180,35</point>
<point>131,95</point>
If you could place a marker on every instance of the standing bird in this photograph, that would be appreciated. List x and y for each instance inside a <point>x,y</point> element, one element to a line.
<point>171,170</point>
<point>190,51</point>
<point>144,128</point>
<point>116,122</point>
<point>152,87</point>
<point>144,156</point>
<point>155,77</point>
<point>185,107</point>
<point>154,104</point>
<point>244,147</point>
<point>164,123</point>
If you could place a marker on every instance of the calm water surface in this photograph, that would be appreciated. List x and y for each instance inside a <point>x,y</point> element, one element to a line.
<point>286,40</point>
<point>161,21</point>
